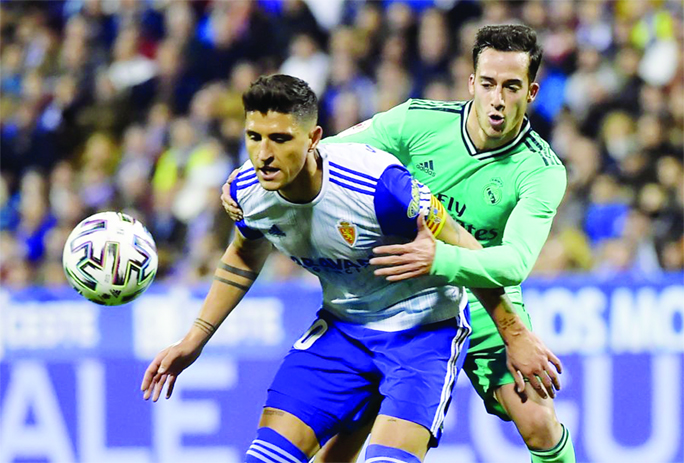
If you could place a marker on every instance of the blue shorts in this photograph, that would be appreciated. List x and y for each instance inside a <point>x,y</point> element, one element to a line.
<point>340,375</point>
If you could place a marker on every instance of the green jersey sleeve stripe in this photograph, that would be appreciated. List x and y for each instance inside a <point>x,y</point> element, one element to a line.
<point>436,108</point>
<point>535,150</point>
<point>551,155</point>
<point>534,144</point>
<point>451,104</point>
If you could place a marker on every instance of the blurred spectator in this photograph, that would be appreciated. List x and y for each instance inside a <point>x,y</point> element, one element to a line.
<point>607,210</point>
<point>172,84</point>
<point>307,62</point>
<point>129,67</point>
<point>137,106</point>
<point>593,28</point>
<point>433,49</point>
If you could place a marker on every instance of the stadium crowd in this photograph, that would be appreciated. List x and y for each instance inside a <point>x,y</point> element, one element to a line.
<point>136,106</point>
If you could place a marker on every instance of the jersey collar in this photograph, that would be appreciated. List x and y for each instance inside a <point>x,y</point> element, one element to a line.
<point>501,150</point>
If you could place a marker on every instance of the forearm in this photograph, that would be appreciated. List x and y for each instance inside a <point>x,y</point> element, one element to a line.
<point>233,277</point>
<point>501,310</point>
<point>494,300</point>
<point>525,232</point>
<point>487,268</point>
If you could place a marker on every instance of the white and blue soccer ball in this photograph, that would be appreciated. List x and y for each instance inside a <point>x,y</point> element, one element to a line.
<point>110,258</point>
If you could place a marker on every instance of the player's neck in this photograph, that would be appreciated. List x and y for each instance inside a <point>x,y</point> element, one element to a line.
<point>480,139</point>
<point>308,183</point>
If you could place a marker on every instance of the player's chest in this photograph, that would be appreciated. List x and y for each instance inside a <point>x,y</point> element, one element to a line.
<point>331,229</point>
<point>477,194</point>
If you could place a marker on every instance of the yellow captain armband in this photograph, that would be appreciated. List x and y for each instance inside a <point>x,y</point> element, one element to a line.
<point>436,216</point>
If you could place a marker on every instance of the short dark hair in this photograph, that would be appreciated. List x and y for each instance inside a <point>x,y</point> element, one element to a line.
<point>283,94</point>
<point>509,37</point>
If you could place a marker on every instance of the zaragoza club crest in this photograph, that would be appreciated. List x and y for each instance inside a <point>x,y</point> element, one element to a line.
<point>347,231</point>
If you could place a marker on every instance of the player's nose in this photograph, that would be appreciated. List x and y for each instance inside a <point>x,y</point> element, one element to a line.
<point>498,99</point>
<point>264,152</point>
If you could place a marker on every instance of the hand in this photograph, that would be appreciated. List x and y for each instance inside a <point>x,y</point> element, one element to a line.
<point>528,358</point>
<point>231,207</point>
<point>407,260</point>
<point>167,365</point>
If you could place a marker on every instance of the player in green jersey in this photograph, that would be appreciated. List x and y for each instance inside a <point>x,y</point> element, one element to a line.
<point>503,183</point>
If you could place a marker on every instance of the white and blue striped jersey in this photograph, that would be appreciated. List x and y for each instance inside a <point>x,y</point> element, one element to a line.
<point>364,202</point>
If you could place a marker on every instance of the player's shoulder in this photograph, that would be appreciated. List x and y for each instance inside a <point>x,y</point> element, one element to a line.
<point>358,158</point>
<point>245,187</point>
<point>418,108</point>
<point>539,152</point>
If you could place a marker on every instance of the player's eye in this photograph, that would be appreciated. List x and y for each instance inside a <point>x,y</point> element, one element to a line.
<point>280,138</point>
<point>254,136</point>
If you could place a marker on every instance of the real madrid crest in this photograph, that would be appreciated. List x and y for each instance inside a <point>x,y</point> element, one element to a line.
<point>347,231</point>
<point>492,192</point>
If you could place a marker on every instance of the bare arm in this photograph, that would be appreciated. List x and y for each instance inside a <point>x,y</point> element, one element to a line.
<point>235,274</point>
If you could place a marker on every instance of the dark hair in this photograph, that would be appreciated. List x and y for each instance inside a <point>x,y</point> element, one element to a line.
<point>283,94</point>
<point>509,37</point>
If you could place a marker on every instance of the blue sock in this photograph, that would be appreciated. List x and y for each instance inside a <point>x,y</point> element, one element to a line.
<point>381,454</point>
<point>271,447</point>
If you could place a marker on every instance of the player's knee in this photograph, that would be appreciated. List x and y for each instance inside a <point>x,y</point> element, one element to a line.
<point>271,447</point>
<point>539,427</point>
<point>383,454</point>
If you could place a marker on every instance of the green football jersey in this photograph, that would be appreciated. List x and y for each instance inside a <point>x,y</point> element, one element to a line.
<point>505,197</point>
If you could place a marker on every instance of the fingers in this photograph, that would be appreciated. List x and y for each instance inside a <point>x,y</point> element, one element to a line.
<point>232,176</point>
<point>405,276</point>
<point>548,384</point>
<point>398,270</point>
<point>421,223</point>
<point>393,259</point>
<point>229,204</point>
<point>169,388</point>
<point>556,362</point>
<point>159,386</point>
<point>226,199</point>
<point>519,384</point>
<point>519,381</point>
<point>395,249</point>
<point>154,379</point>
<point>554,375</point>
<point>538,386</point>
<point>149,375</point>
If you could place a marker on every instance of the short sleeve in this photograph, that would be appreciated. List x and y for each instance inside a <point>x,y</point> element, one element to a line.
<point>398,200</point>
<point>246,231</point>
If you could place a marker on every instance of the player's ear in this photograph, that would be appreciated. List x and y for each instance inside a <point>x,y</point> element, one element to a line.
<point>471,84</point>
<point>532,94</point>
<point>315,136</point>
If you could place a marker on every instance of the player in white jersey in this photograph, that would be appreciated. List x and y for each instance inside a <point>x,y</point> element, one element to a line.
<point>333,235</point>
<point>391,349</point>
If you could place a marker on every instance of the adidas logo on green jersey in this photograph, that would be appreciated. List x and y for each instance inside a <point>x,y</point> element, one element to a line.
<point>428,167</point>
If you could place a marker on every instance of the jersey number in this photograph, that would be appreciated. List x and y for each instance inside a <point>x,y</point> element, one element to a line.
<point>316,330</point>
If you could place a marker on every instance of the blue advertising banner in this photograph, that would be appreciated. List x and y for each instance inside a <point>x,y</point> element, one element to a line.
<point>70,374</point>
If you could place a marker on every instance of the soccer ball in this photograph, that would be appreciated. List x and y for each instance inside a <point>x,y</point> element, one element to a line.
<point>110,258</point>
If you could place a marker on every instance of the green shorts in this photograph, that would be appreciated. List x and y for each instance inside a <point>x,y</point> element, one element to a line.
<point>485,363</point>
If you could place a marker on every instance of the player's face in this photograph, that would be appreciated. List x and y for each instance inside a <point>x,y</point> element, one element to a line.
<point>501,91</point>
<point>278,146</point>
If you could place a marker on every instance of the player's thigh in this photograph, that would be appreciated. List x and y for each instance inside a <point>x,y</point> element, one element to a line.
<point>419,370</point>
<point>344,447</point>
<point>485,363</point>
<point>401,434</point>
<point>326,381</point>
<point>291,428</point>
